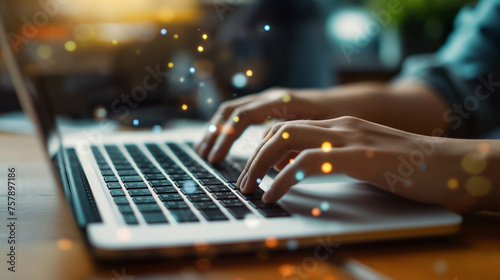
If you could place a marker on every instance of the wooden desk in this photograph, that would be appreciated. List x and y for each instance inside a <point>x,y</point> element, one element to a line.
<point>49,246</point>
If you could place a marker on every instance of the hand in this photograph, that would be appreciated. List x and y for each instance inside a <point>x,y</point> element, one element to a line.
<point>427,169</point>
<point>234,116</point>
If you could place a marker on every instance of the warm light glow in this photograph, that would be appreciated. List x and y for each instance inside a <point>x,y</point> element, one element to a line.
<point>326,167</point>
<point>285,135</point>
<point>176,36</point>
<point>236,119</point>
<point>370,153</point>
<point>286,98</point>
<point>184,107</point>
<point>249,73</point>
<point>200,48</point>
<point>114,42</point>
<point>70,46</point>
<point>326,147</point>
<point>478,186</point>
<point>170,65</point>
<point>474,163</point>
<point>483,148</point>
<point>204,36</point>
<point>452,184</point>
<point>316,211</point>
<point>271,242</point>
<point>286,270</point>
<point>64,244</point>
<point>292,160</point>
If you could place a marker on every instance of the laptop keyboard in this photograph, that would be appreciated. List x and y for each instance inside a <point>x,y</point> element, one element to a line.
<point>163,190</point>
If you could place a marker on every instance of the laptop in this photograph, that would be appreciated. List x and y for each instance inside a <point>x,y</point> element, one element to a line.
<point>137,194</point>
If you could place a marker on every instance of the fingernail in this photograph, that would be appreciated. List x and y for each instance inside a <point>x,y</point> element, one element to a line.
<point>240,178</point>
<point>244,182</point>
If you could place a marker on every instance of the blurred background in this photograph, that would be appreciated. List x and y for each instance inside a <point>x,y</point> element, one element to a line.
<point>153,60</point>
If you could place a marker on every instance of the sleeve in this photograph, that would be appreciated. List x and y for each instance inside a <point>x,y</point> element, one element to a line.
<point>465,71</point>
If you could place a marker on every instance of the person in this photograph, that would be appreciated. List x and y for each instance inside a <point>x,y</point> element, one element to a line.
<point>408,136</point>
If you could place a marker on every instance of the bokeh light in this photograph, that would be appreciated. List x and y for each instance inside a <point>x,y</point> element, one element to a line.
<point>184,107</point>
<point>286,98</point>
<point>292,160</point>
<point>251,221</point>
<point>326,147</point>
<point>176,36</point>
<point>44,51</point>
<point>285,135</point>
<point>135,122</point>
<point>204,36</point>
<point>157,128</point>
<point>64,244</point>
<point>299,175</point>
<point>474,163</point>
<point>483,148</point>
<point>192,70</point>
<point>292,245</point>
<point>170,65</point>
<point>316,211</point>
<point>324,206</point>
<point>70,46</point>
<point>236,119</point>
<point>259,180</point>
<point>369,153</point>
<point>163,31</point>
<point>200,49</point>
<point>239,80</point>
<point>326,167</point>
<point>212,128</point>
<point>452,184</point>
<point>249,73</point>
<point>478,186</point>
<point>114,42</point>
<point>286,270</point>
<point>267,27</point>
<point>271,242</point>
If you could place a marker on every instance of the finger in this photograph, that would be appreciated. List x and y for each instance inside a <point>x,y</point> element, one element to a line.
<point>290,138</point>
<point>310,162</point>
<point>276,127</point>
<point>288,159</point>
<point>253,113</point>
<point>213,128</point>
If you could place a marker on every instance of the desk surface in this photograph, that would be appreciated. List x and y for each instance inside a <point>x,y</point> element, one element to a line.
<point>49,247</point>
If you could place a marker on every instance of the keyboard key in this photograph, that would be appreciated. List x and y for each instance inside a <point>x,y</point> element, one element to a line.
<point>136,185</point>
<point>125,208</point>
<point>204,175</point>
<point>260,204</point>
<point>239,212</point>
<point>273,212</point>
<point>128,172</point>
<point>109,179</point>
<point>256,195</point>
<point>205,205</point>
<point>210,182</point>
<point>154,217</point>
<point>218,188</point>
<point>107,173</point>
<point>224,195</point>
<point>104,166</point>
<point>179,177</point>
<point>130,219</point>
<point>143,199</point>
<point>183,215</point>
<point>192,190</point>
<point>176,204</point>
<point>174,170</point>
<point>123,166</point>
<point>159,183</point>
<point>117,192</point>
<point>127,179</point>
<point>231,203</point>
<point>213,215</point>
<point>115,185</point>
<point>148,207</point>
<point>233,186</point>
<point>199,197</point>
<point>121,200</point>
<point>182,183</point>
<point>155,177</point>
<point>150,171</point>
<point>139,192</point>
<point>160,190</point>
<point>170,197</point>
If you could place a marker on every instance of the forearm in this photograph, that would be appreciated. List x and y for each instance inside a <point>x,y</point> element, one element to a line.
<point>411,107</point>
